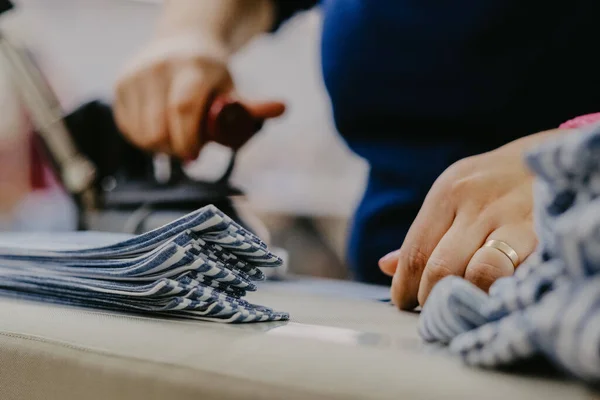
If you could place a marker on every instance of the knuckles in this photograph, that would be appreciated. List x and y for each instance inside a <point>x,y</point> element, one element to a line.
<point>182,105</point>
<point>482,274</point>
<point>459,179</point>
<point>412,259</point>
<point>437,269</point>
<point>153,139</point>
<point>469,186</point>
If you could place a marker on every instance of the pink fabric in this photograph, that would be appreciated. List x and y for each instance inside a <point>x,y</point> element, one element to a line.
<point>581,121</point>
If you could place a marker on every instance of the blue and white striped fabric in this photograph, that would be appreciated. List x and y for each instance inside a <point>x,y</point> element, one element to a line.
<point>551,305</point>
<point>199,266</point>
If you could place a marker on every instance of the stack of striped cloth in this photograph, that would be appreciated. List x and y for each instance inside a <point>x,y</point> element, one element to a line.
<point>551,305</point>
<point>199,266</point>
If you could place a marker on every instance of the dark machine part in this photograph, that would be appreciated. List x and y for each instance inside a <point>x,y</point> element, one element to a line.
<point>5,5</point>
<point>125,176</point>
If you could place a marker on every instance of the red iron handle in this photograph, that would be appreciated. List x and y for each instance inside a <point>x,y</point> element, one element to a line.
<point>229,122</point>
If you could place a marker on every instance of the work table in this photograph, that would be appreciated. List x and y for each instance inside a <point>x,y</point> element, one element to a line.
<point>344,341</point>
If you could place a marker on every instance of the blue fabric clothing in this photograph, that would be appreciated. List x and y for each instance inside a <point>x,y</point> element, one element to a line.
<point>199,266</point>
<point>551,306</point>
<point>416,85</point>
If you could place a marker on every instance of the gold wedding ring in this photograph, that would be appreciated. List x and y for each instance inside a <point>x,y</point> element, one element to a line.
<point>504,249</point>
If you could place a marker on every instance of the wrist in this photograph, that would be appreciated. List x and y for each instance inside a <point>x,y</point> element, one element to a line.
<point>191,43</point>
<point>180,46</point>
<point>224,25</point>
<point>191,23</point>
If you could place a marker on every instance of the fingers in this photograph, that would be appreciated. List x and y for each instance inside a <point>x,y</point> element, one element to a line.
<point>389,263</point>
<point>187,99</point>
<point>125,110</point>
<point>161,109</point>
<point>481,197</point>
<point>161,97</point>
<point>489,264</point>
<point>266,110</point>
<point>432,222</point>
<point>424,259</point>
<point>152,116</point>
<point>461,253</point>
<point>452,254</point>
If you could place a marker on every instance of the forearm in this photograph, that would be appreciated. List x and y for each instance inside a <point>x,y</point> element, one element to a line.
<point>227,24</point>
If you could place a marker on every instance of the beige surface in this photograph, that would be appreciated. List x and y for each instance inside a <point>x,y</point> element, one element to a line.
<point>337,346</point>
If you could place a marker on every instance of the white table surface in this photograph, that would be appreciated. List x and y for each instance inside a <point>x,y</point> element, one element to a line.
<point>342,342</point>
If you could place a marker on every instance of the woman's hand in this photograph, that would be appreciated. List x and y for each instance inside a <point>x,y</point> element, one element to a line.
<point>480,198</point>
<point>162,95</point>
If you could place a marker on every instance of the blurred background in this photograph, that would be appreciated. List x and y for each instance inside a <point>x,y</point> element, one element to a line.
<point>299,177</point>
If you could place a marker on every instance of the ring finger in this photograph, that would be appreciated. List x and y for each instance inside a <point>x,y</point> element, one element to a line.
<point>490,263</point>
<point>452,254</point>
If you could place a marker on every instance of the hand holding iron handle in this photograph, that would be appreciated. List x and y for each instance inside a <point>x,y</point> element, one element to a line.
<point>231,123</point>
<point>176,95</point>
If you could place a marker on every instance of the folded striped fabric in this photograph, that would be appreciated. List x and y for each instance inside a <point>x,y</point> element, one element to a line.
<point>551,305</point>
<point>199,266</point>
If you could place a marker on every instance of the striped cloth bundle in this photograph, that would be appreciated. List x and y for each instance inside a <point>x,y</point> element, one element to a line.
<point>199,266</point>
<point>551,305</point>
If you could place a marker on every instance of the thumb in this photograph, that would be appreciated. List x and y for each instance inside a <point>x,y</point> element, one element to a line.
<point>389,263</point>
<point>266,110</point>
